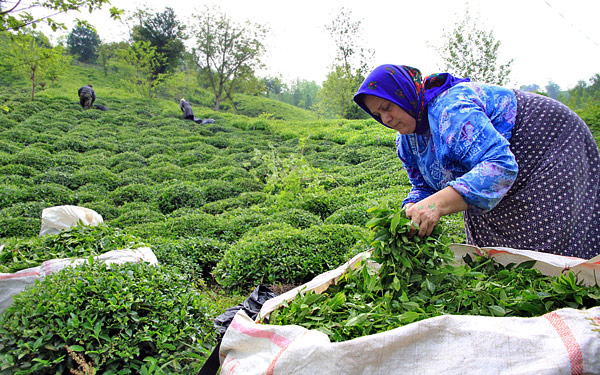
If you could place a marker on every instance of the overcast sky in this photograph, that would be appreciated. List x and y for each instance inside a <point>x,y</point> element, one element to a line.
<point>549,40</point>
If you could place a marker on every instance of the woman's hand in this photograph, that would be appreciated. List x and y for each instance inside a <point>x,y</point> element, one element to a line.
<point>427,213</point>
<point>425,216</point>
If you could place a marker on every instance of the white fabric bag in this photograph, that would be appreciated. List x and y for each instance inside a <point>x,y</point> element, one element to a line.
<point>566,341</point>
<point>57,218</point>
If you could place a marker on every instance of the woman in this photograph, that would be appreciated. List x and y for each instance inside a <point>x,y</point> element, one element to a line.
<point>523,167</point>
<point>87,96</point>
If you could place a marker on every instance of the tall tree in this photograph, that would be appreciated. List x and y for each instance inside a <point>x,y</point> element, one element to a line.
<point>16,15</point>
<point>225,50</point>
<point>141,59</point>
<point>470,51</point>
<point>83,42</point>
<point>166,34</point>
<point>349,68</point>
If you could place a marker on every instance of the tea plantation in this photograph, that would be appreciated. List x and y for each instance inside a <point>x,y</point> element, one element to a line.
<point>276,199</point>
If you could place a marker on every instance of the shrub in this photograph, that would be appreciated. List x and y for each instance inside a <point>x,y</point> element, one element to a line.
<point>322,204</point>
<point>104,208</point>
<point>286,256</point>
<point>355,214</point>
<point>34,157</point>
<point>8,147</point>
<point>163,172</point>
<point>247,184</point>
<point>52,194</point>
<point>194,257</point>
<point>55,177</point>
<point>21,219</point>
<point>115,316</point>
<point>180,194</point>
<point>19,226</point>
<point>95,174</point>
<point>132,193</point>
<point>296,217</point>
<point>214,190</point>
<point>126,160</point>
<point>18,169</point>
<point>244,200</point>
<point>136,213</point>
<point>11,194</point>
<point>154,149</point>
<point>77,241</point>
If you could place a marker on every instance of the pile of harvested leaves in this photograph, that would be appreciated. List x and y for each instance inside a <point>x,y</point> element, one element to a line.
<point>414,279</point>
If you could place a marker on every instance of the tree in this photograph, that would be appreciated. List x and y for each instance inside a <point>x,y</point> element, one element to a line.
<point>530,88</point>
<point>107,52</point>
<point>57,65</point>
<point>166,34</point>
<point>225,51</point>
<point>552,90</point>
<point>337,92</point>
<point>16,16</point>
<point>31,54</point>
<point>141,59</point>
<point>84,43</point>
<point>273,86</point>
<point>349,68</point>
<point>469,51</point>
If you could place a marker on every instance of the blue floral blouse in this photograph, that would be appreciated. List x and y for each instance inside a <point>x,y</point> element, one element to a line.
<point>466,147</point>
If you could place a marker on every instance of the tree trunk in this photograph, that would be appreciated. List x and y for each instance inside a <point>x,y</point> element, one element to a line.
<point>217,102</point>
<point>32,82</point>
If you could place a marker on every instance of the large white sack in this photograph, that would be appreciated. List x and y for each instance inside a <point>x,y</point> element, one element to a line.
<point>57,218</point>
<point>566,341</point>
<point>14,283</point>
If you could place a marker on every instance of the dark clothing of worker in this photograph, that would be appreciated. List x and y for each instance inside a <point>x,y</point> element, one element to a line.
<point>188,113</point>
<point>87,96</point>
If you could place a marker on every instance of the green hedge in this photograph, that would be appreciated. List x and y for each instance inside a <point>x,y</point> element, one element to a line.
<point>286,256</point>
<point>116,317</point>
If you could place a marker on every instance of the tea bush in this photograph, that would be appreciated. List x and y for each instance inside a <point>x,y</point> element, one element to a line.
<point>19,226</point>
<point>96,174</point>
<point>180,194</point>
<point>18,169</point>
<point>194,257</point>
<point>115,316</point>
<point>52,194</point>
<point>214,190</point>
<point>355,214</point>
<point>244,200</point>
<point>296,217</point>
<point>132,214</point>
<point>132,193</point>
<point>11,194</point>
<point>286,256</point>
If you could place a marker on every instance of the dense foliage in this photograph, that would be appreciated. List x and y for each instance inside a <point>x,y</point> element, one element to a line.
<point>120,318</point>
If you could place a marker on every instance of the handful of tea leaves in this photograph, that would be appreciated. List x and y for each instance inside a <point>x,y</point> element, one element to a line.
<point>416,280</point>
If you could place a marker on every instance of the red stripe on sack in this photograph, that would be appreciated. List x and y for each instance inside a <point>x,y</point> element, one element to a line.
<point>17,275</point>
<point>271,368</point>
<point>276,339</point>
<point>597,320</point>
<point>571,344</point>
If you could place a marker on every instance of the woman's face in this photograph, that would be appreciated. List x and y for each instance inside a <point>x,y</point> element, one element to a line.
<point>391,114</point>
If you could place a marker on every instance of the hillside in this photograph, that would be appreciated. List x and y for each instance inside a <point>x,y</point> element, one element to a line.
<point>224,207</point>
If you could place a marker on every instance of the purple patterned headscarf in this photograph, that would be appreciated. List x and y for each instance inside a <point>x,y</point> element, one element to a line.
<point>402,85</point>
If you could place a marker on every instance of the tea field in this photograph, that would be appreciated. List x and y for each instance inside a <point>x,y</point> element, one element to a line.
<point>267,194</point>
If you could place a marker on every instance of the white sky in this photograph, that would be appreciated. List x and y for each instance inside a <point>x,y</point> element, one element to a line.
<point>549,40</point>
